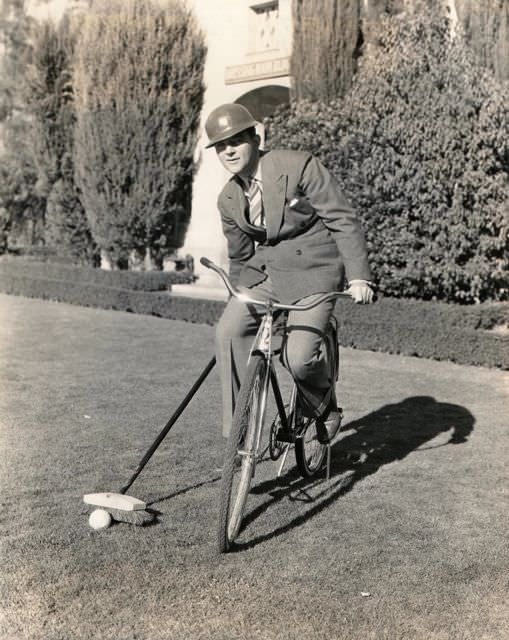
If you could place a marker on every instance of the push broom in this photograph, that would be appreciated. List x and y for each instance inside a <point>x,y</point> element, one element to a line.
<point>122,507</point>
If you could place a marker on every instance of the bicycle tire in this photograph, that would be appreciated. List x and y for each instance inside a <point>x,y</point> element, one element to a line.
<point>238,469</point>
<point>309,452</point>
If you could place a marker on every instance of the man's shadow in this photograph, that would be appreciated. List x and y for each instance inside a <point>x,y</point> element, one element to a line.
<point>395,430</point>
<point>379,438</point>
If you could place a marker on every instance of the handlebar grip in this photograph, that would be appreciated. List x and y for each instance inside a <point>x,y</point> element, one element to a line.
<point>206,262</point>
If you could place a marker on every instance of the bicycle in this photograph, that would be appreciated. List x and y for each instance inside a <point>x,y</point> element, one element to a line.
<point>288,427</point>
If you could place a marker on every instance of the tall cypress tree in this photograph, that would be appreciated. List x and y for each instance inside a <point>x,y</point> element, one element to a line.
<point>21,206</point>
<point>326,44</point>
<point>486,26</point>
<point>139,90</point>
<point>48,89</point>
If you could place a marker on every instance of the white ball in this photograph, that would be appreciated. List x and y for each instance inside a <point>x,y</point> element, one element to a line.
<point>99,519</point>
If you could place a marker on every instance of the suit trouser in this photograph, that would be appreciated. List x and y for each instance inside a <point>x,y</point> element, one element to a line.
<point>305,354</point>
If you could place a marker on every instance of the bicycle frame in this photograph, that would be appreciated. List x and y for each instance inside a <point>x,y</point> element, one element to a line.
<point>286,429</point>
<point>263,344</point>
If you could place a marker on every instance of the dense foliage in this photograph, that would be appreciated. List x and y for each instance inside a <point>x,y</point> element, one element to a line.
<point>421,146</point>
<point>15,26</point>
<point>21,206</point>
<point>139,90</point>
<point>49,96</point>
<point>326,42</point>
<point>22,209</point>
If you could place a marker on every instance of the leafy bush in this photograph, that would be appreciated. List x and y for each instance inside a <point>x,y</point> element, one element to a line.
<point>139,91</point>
<point>421,146</point>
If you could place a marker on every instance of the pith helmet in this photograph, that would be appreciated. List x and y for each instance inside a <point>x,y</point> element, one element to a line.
<point>226,121</point>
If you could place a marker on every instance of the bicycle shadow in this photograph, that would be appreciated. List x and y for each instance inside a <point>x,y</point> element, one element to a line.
<point>384,436</point>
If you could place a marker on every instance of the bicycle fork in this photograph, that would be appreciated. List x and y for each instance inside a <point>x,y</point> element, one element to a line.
<point>262,344</point>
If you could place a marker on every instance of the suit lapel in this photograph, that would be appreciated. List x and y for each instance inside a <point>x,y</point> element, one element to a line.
<point>274,195</point>
<point>235,201</point>
<point>274,183</point>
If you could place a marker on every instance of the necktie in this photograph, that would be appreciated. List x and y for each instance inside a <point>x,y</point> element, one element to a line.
<point>254,197</point>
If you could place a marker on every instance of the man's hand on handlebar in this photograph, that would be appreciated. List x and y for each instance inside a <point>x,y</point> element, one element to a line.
<point>361,291</point>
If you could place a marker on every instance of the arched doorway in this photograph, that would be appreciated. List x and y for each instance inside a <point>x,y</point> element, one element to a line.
<point>264,101</point>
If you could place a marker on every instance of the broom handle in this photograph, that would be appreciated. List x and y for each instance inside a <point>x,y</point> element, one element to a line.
<point>170,424</point>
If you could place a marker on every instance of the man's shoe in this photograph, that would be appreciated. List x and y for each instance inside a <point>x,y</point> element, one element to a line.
<point>326,429</point>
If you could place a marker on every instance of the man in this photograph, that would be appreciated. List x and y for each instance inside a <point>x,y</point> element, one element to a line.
<point>291,235</point>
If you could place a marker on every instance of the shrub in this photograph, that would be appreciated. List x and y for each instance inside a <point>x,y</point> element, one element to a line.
<point>421,146</point>
<point>139,92</point>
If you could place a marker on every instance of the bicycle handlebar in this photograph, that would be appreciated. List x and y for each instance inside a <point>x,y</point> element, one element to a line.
<point>266,303</point>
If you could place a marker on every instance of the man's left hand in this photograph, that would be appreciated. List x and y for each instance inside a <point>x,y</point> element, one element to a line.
<point>361,291</point>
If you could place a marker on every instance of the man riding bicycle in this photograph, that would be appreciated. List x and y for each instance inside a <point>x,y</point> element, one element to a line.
<point>291,235</point>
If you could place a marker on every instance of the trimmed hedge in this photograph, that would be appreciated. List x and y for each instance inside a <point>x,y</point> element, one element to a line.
<point>134,280</point>
<point>156,303</point>
<point>426,329</point>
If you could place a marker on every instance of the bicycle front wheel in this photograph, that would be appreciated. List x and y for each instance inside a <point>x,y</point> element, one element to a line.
<point>309,452</point>
<point>240,457</point>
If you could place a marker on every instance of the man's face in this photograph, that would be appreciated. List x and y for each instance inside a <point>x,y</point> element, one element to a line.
<point>239,154</point>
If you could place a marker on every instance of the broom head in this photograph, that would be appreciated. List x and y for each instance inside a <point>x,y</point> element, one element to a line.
<point>116,501</point>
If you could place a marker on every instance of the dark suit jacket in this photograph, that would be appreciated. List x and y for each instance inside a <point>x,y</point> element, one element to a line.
<point>307,247</point>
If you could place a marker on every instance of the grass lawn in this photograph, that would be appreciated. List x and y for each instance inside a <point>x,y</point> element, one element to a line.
<point>407,540</point>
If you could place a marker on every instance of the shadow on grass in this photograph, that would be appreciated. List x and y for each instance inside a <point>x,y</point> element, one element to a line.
<point>184,490</point>
<point>379,438</point>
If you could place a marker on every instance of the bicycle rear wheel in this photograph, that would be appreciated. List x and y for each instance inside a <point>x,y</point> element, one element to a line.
<point>240,457</point>
<point>309,452</point>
